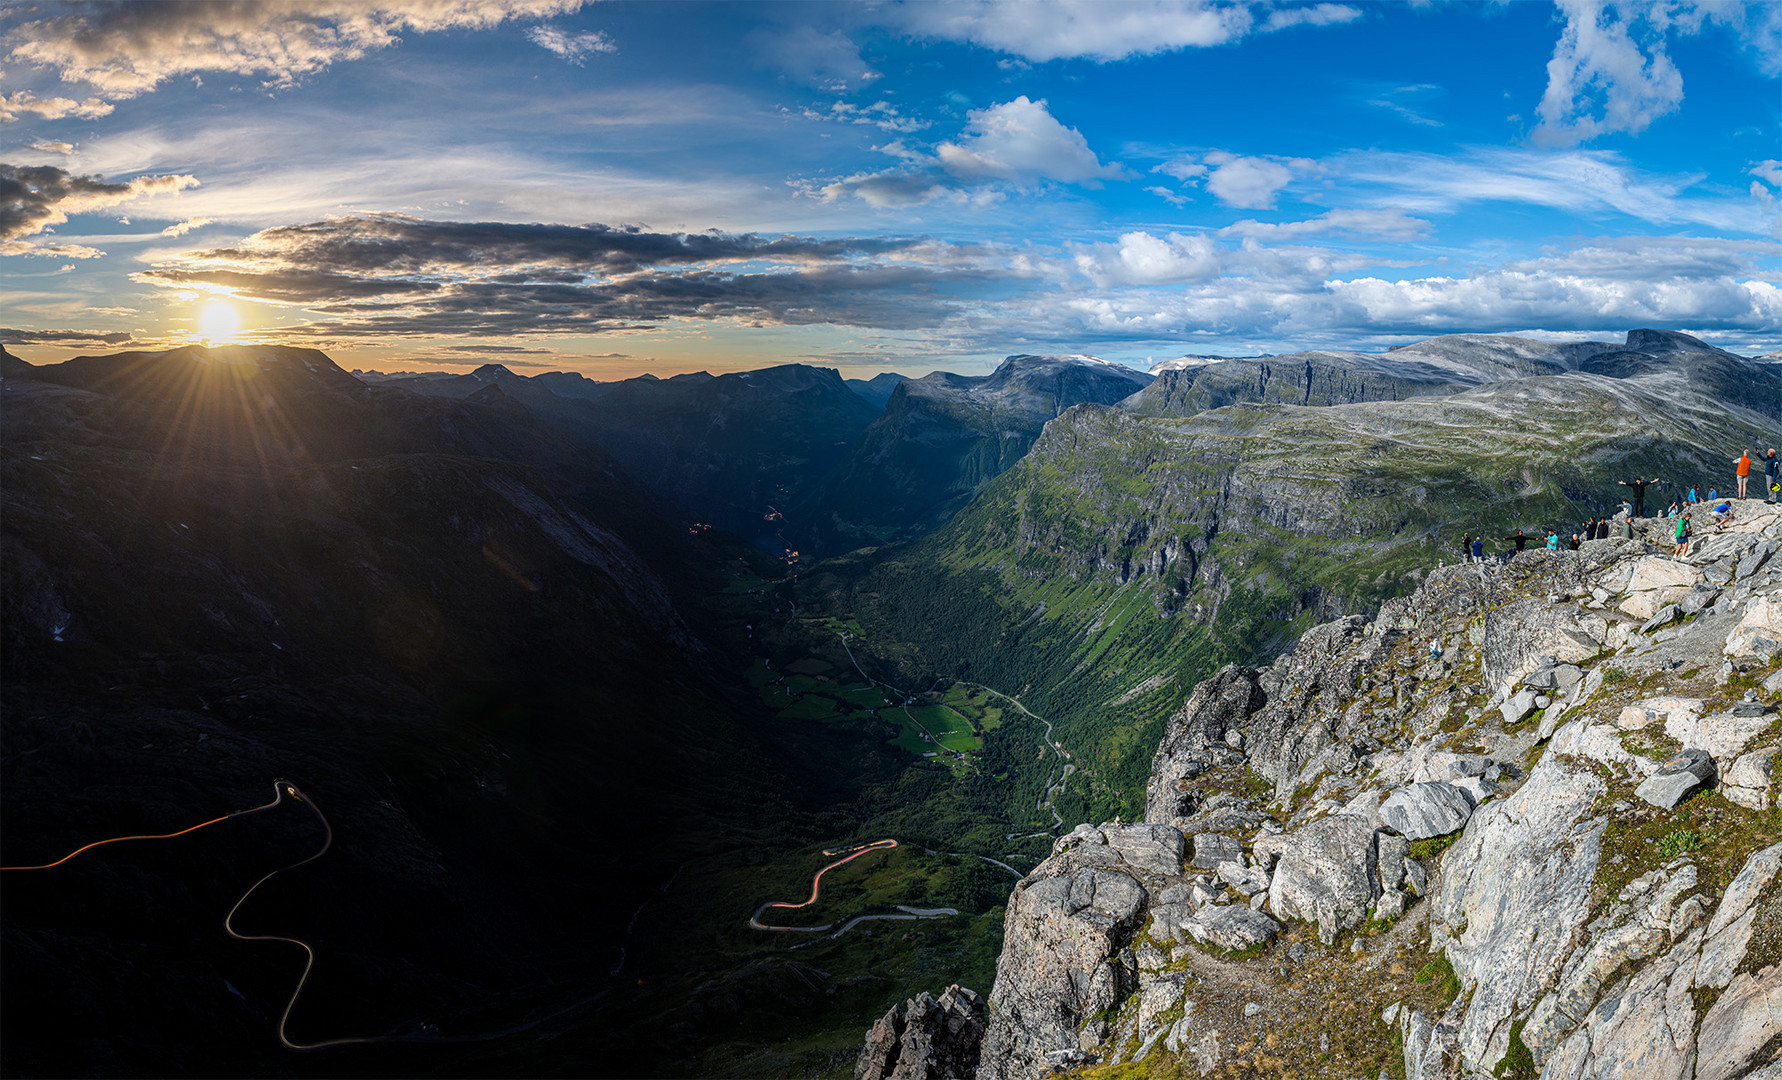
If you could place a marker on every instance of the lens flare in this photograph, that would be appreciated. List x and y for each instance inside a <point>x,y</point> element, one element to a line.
<point>219,322</point>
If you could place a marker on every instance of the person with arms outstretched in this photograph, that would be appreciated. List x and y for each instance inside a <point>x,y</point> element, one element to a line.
<point>1639,493</point>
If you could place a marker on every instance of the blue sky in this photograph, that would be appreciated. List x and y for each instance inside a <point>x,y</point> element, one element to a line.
<point>617,187</point>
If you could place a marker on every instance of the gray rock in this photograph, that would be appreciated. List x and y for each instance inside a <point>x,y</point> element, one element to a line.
<point>1211,849</point>
<point>1752,708</point>
<point>1517,708</point>
<point>1699,599</point>
<point>1244,879</point>
<point>1297,951</point>
<point>1745,1019</point>
<point>1157,848</point>
<point>1646,1030</point>
<point>1167,920</point>
<point>1518,880</point>
<point>1065,963</point>
<point>1424,810</point>
<point>1666,615</point>
<point>1218,704</point>
<point>1326,874</point>
<point>1679,776</point>
<point>1543,679</point>
<point>1232,926</point>
<point>1753,562</point>
<point>925,1039</point>
<point>1542,701</point>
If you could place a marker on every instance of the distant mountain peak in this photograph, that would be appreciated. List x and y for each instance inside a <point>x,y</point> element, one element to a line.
<point>492,372</point>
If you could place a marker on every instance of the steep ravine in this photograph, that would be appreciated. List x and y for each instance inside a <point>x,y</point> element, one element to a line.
<point>1550,850</point>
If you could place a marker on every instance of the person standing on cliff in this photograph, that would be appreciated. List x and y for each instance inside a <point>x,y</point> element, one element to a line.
<point>1772,476</point>
<point>1742,466</point>
<point>1520,541</point>
<point>1639,493</point>
<point>1478,549</point>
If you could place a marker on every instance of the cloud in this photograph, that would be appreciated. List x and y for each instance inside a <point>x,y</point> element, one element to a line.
<point>1283,297</point>
<point>1042,30</point>
<point>1576,181</point>
<point>1015,143</point>
<point>827,61</point>
<point>59,251</point>
<point>183,227</point>
<point>571,47</point>
<point>1247,182</point>
<point>1142,259</point>
<point>391,275</point>
<point>1020,141</point>
<point>1395,101</point>
<point>123,49</point>
<point>1770,172</point>
<point>1600,81</point>
<point>44,147</point>
<point>880,114</point>
<point>1392,225</point>
<point>1169,196</point>
<point>14,105</point>
<point>12,336</point>
<point>36,197</point>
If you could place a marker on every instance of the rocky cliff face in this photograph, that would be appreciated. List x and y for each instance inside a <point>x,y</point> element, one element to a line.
<point>1522,823</point>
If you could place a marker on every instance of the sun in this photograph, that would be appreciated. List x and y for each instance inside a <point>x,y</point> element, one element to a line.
<point>219,322</point>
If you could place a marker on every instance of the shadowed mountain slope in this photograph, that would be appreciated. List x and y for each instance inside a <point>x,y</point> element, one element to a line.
<point>943,436</point>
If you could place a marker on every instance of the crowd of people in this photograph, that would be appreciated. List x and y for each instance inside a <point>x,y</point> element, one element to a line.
<point>1715,509</point>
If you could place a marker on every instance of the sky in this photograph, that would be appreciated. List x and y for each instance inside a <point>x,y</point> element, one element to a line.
<point>614,188</point>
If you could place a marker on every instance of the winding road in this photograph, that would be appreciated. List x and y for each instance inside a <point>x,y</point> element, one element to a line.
<point>817,888</point>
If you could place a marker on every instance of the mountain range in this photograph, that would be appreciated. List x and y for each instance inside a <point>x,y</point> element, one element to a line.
<point>531,640</point>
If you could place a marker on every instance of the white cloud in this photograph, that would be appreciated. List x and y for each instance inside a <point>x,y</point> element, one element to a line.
<point>1169,196</point>
<point>1012,144</point>
<point>1182,168</point>
<point>1600,81</point>
<point>1576,181</point>
<point>12,106</point>
<point>1042,30</point>
<point>46,147</point>
<point>1021,141</point>
<point>571,47</point>
<point>1247,182</point>
<point>127,49</point>
<point>828,61</point>
<point>1365,224</point>
<point>183,227</point>
<point>880,114</point>
<point>1770,172</point>
<point>1142,259</point>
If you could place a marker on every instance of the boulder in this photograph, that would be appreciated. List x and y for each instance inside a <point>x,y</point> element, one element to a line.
<point>1157,848</point>
<point>1759,631</point>
<point>1658,571</point>
<point>925,1038</point>
<point>1517,709</point>
<point>1657,710</point>
<point>1723,735</point>
<point>1231,926</point>
<point>1065,962</point>
<point>1518,880</point>
<point>1677,777</point>
<point>1421,811</point>
<point>1326,874</point>
<point>1750,781</point>
<point>1211,849</point>
<point>1245,879</point>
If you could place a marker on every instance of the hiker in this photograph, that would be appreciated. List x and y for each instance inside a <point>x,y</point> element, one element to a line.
<point>1694,496</point>
<point>1466,545</point>
<point>1671,510</point>
<point>1682,536</point>
<point>1575,541</point>
<point>1742,466</point>
<point>1772,476</point>
<point>1478,549</point>
<point>1639,493</point>
<point>1552,540</point>
<point>1521,543</point>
